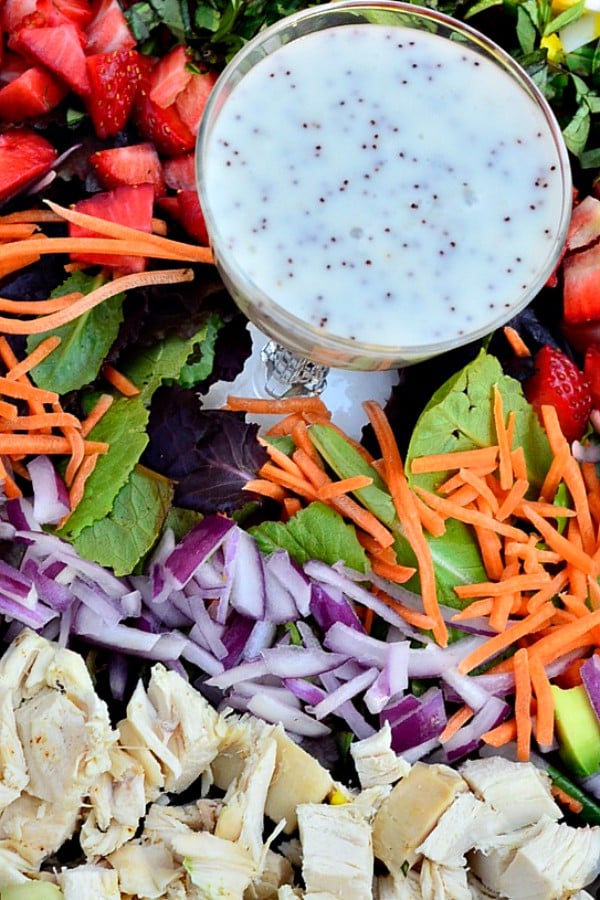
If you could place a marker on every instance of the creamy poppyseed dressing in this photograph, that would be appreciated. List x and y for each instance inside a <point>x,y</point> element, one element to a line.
<point>384,184</point>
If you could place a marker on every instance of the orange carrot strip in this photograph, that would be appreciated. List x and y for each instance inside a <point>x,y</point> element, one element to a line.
<point>546,510</point>
<point>502,734</point>
<point>474,610</point>
<point>57,419</point>
<point>412,616</point>
<point>8,410</point>
<point>273,407</point>
<point>33,307</point>
<point>119,381</point>
<point>43,349</point>
<point>392,571</point>
<point>555,473</point>
<point>458,459</point>
<point>469,516</point>
<point>265,488</point>
<point>10,231</point>
<point>522,704</point>
<point>26,444</point>
<point>481,487</point>
<point>30,216</point>
<point>363,518</point>
<point>79,481</point>
<point>285,426</point>
<point>519,464</point>
<point>571,803</point>
<point>124,234</point>
<point>280,458</point>
<point>159,226</point>
<point>93,299</point>
<point>9,485</point>
<point>517,344</point>
<point>577,579</point>
<point>594,589</point>
<point>302,440</point>
<point>300,486</point>
<point>557,542</point>
<point>430,520</point>
<point>500,642</point>
<point>504,448</point>
<point>502,607</point>
<point>490,547</point>
<point>574,605</point>
<point>408,514</point>
<point>315,475</point>
<point>573,479</point>
<point>102,406</point>
<point>554,586</point>
<point>34,402</point>
<point>557,643</point>
<point>291,506</point>
<point>22,390</point>
<point>344,486</point>
<point>455,723</point>
<point>509,585</point>
<point>464,496</point>
<point>512,499</point>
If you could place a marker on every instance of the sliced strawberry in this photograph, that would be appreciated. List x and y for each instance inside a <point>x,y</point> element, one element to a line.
<point>180,172</point>
<point>31,94</point>
<point>13,66</point>
<point>135,164</point>
<point>12,13</point>
<point>47,15</point>
<point>78,11</point>
<point>591,370</point>
<point>59,49</point>
<point>163,127</point>
<point>24,157</point>
<point>113,79</point>
<point>108,29</point>
<point>584,227</point>
<point>558,382</point>
<point>191,101</point>
<point>128,205</point>
<point>170,76</point>
<point>185,209</point>
<point>581,286</point>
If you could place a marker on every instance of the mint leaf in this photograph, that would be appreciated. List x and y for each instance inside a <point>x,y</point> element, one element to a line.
<point>122,539</point>
<point>316,532</point>
<point>84,342</point>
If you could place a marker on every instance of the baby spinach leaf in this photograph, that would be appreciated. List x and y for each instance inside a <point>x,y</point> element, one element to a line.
<point>124,537</point>
<point>316,532</point>
<point>84,342</point>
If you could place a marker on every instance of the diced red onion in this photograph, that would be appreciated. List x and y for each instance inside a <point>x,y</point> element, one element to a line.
<point>198,544</point>
<point>346,691</point>
<point>14,585</point>
<point>230,677</point>
<point>20,514</point>
<point>260,637</point>
<point>590,676</point>
<point>329,606</point>
<point>368,650</point>
<point>247,594</point>
<point>468,689</point>
<point>423,723</point>
<point>305,690</point>
<point>35,617</point>
<point>164,647</point>
<point>468,738</point>
<point>202,658</point>
<point>118,674</point>
<point>392,679</point>
<point>97,601</point>
<point>300,662</point>
<point>292,719</point>
<point>50,496</point>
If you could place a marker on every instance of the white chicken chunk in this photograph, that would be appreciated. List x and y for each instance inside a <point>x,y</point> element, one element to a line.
<point>173,724</point>
<point>34,829</point>
<point>404,887</point>
<point>144,869</point>
<point>242,816</point>
<point>217,867</point>
<point>467,819</point>
<point>13,767</point>
<point>337,850</point>
<point>117,804</point>
<point>89,882</point>
<point>553,862</point>
<point>163,820</point>
<point>443,882</point>
<point>528,799</point>
<point>375,761</point>
<point>275,872</point>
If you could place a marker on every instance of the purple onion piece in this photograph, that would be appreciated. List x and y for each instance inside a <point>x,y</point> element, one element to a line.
<point>468,738</point>
<point>50,496</point>
<point>198,544</point>
<point>590,676</point>
<point>328,605</point>
<point>17,586</point>
<point>423,723</point>
<point>346,691</point>
<point>247,594</point>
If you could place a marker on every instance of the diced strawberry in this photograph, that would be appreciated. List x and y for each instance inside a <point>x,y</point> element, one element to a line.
<point>48,15</point>
<point>180,172</point>
<point>113,79</point>
<point>191,101</point>
<point>185,209</point>
<point>170,76</point>
<point>24,157</point>
<point>59,49</point>
<point>584,227</point>
<point>12,12</point>
<point>581,286</point>
<point>13,66</point>
<point>558,382</point>
<point>591,370</point>
<point>163,127</point>
<point>78,11</point>
<point>127,205</point>
<point>32,94</point>
<point>135,164</point>
<point>108,29</point>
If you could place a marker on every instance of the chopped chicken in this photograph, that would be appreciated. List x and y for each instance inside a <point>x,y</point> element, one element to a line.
<point>242,816</point>
<point>173,723</point>
<point>554,861</point>
<point>488,778</point>
<point>275,872</point>
<point>35,829</point>
<point>163,820</point>
<point>375,761</point>
<point>13,867</point>
<point>455,831</point>
<point>443,882</point>
<point>411,811</point>
<point>117,805</point>
<point>219,868</point>
<point>144,869</point>
<point>337,850</point>
<point>13,767</point>
<point>89,882</point>
<point>404,887</point>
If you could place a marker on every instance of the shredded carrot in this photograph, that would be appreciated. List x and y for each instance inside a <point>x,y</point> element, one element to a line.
<point>409,517</point>
<point>500,642</point>
<point>314,473</point>
<point>348,507</point>
<point>43,349</point>
<point>285,426</point>
<point>277,407</point>
<point>301,438</point>
<point>481,486</point>
<point>517,344</point>
<point>555,473</point>
<point>300,486</point>
<point>559,543</point>
<point>102,406</point>
<point>469,516</point>
<point>566,800</point>
<point>544,724</point>
<point>8,410</point>
<point>556,644</point>
<point>266,489</point>
<point>519,464</point>
<point>15,231</point>
<point>291,506</point>
<point>504,448</point>
<point>430,520</point>
<point>119,381</point>
<point>512,499</point>
<point>29,444</point>
<point>30,216</point>
<point>510,584</point>
<point>58,419</point>
<point>392,571</point>
<point>459,459</point>
<point>410,616</point>
<point>522,703</point>
<point>344,486</point>
<point>502,734</point>
<point>77,489</point>
<point>455,723</point>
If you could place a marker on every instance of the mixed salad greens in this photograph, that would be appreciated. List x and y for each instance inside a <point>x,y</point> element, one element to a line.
<point>334,587</point>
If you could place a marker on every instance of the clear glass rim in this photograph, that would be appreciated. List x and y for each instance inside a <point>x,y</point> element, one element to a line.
<point>333,346</point>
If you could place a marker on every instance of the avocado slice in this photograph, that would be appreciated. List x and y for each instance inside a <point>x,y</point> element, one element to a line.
<point>31,890</point>
<point>578,730</point>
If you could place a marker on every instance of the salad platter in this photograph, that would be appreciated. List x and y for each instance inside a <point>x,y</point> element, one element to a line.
<point>338,645</point>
